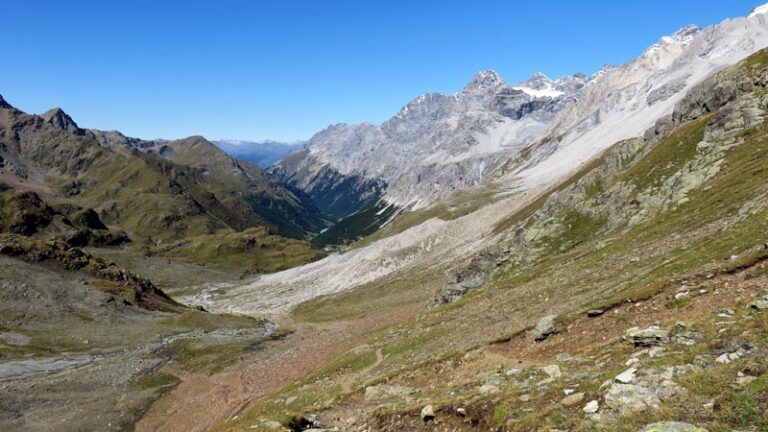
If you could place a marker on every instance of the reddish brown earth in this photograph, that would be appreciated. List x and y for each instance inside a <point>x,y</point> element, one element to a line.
<point>202,401</point>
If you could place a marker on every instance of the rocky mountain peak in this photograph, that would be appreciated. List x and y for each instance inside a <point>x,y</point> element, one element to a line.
<point>483,80</point>
<point>538,81</point>
<point>61,120</point>
<point>680,38</point>
<point>4,104</point>
<point>683,36</point>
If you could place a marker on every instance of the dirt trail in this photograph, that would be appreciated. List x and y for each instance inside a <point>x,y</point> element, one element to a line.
<point>348,382</point>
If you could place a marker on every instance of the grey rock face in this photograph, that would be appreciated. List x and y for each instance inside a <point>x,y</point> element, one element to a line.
<point>546,327</point>
<point>666,91</point>
<point>473,276</point>
<point>438,143</point>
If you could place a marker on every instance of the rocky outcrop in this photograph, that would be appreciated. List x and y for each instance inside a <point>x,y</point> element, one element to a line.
<point>476,274</point>
<point>647,337</point>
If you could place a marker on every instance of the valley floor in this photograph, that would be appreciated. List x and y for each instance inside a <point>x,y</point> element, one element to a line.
<point>346,374</point>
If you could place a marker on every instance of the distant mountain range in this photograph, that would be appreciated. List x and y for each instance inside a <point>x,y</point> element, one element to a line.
<point>519,136</point>
<point>154,190</point>
<point>262,153</point>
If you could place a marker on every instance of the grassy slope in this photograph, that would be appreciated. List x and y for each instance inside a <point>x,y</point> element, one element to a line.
<point>254,250</point>
<point>197,190</point>
<point>587,264</point>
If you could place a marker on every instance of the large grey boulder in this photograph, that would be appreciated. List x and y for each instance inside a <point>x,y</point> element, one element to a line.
<point>647,337</point>
<point>670,426</point>
<point>629,398</point>
<point>546,327</point>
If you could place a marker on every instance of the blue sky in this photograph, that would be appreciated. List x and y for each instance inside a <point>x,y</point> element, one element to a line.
<point>285,69</point>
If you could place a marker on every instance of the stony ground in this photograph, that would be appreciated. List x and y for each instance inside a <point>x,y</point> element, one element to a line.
<point>696,352</point>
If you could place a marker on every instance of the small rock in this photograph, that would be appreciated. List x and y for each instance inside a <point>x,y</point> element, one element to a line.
<point>271,424</point>
<point>724,358</point>
<point>573,399</point>
<point>569,392</point>
<point>760,304</point>
<point>591,407</point>
<point>724,313</point>
<point>513,372</point>
<point>671,427</point>
<point>381,392</point>
<point>553,371</point>
<point>428,413</point>
<point>525,397</point>
<point>461,412</point>
<point>546,327</point>
<point>680,295</point>
<point>745,380</point>
<point>627,376</point>
<point>595,313</point>
<point>488,389</point>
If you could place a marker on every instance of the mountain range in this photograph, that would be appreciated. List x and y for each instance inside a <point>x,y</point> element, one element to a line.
<point>581,253</point>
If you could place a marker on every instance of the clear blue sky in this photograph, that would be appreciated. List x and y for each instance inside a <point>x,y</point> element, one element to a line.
<point>285,69</point>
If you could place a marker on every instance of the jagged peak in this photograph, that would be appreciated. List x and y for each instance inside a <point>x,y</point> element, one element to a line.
<point>485,79</point>
<point>537,81</point>
<point>62,120</point>
<point>682,36</point>
<point>4,104</point>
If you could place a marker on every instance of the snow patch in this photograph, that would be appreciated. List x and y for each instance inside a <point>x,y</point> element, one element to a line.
<point>760,10</point>
<point>547,92</point>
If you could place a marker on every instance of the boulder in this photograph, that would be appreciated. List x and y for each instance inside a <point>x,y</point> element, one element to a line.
<point>627,376</point>
<point>630,398</point>
<point>573,399</point>
<point>553,371</point>
<point>428,413</point>
<point>546,327</point>
<point>272,425</point>
<point>669,426</point>
<point>591,407</point>
<point>647,337</point>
